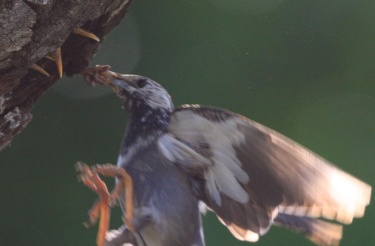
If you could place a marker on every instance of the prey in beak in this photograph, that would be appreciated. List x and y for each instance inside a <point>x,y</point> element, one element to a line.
<point>101,75</point>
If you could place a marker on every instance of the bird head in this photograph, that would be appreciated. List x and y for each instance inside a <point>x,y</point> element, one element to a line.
<point>135,91</point>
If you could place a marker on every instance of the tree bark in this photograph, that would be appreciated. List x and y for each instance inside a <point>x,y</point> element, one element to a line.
<point>32,29</point>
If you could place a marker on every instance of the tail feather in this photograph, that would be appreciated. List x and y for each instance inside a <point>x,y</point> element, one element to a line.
<point>318,231</point>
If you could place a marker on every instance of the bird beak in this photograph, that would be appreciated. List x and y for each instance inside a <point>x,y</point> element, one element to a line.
<point>124,81</point>
<point>103,76</point>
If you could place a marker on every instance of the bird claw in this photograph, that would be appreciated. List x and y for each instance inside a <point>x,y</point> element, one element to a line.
<point>90,177</point>
<point>126,184</point>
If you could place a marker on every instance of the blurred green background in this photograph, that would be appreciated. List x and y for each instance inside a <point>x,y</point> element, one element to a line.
<point>303,68</point>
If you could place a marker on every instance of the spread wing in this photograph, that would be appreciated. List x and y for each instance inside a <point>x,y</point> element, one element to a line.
<point>251,173</point>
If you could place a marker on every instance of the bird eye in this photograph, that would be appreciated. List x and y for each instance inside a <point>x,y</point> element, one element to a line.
<point>142,83</point>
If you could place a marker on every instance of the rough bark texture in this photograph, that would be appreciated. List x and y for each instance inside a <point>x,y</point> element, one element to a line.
<point>32,29</point>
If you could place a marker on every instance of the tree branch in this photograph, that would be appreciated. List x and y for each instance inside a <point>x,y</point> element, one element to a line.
<point>32,29</point>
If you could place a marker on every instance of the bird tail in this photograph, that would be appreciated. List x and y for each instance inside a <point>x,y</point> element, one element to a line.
<point>318,231</point>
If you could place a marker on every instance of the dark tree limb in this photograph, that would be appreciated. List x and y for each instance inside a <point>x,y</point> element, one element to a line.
<point>32,29</point>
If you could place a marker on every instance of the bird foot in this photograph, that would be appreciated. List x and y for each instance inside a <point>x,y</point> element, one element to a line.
<point>90,177</point>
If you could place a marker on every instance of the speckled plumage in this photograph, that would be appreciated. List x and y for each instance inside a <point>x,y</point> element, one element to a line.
<point>250,176</point>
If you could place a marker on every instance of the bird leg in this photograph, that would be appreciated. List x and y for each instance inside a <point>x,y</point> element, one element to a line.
<point>90,177</point>
<point>126,184</point>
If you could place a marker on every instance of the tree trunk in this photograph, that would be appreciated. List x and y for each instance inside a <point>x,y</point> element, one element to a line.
<point>32,29</point>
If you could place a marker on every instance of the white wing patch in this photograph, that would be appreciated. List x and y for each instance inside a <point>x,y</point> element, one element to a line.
<point>176,151</point>
<point>223,169</point>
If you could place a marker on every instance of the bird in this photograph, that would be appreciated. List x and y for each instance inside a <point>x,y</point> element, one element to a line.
<point>184,160</point>
<point>56,55</point>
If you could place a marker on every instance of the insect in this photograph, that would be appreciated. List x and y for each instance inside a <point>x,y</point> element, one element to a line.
<point>174,159</point>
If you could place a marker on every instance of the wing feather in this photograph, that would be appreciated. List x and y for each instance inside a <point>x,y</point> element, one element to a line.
<point>252,173</point>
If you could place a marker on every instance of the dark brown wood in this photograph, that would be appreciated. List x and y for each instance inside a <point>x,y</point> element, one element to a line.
<point>32,29</point>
